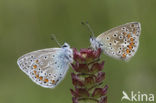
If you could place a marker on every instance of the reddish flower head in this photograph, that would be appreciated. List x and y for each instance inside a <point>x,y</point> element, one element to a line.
<point>99,92</point>
<point>86,55</point>
<point>88,76</point>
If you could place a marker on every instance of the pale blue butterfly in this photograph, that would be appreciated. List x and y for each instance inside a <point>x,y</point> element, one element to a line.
<point>121,42</point>
<point>47,67</point>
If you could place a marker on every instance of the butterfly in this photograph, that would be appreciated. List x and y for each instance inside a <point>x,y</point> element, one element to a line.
<point>47,67</point>
<point>120,42</point>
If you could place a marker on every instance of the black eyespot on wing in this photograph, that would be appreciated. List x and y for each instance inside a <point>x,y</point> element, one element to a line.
<point>45,57</point>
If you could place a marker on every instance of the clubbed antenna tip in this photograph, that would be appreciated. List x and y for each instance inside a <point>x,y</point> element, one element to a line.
<point>89,27</point>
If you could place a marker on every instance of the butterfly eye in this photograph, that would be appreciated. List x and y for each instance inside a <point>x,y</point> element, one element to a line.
<point>64,46</point>
<point>91,38</point>
<point>100,44</point>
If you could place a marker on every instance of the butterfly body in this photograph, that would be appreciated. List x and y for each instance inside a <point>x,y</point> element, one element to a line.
<point>120,42</point>
<point>47,67</point>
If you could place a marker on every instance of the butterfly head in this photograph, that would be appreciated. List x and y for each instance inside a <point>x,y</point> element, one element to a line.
<point>68,52</point>
<point>94,43</point>
<point>65,45</point>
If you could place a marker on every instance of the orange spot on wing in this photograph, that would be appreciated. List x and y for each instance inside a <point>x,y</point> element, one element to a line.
<point>131,43</point>
<point>129,35</point>
<point>127,51</point>
<point>130,47</point>
<point>134,31</point>
<point>46,80</point>
<point>124,55</point>
<point>124,33</point>
<point>131,39</point>
<point>37,76</point>
<point>34,72</point>
<point>41,78</point>
<point>36,61</point>
<point>34,66</point>
<point>53,82</point>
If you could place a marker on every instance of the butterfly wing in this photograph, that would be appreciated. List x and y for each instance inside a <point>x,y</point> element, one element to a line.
<point>121,42</point>
<point>45,67</point>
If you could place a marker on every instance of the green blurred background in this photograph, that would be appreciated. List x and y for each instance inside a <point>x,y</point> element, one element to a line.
<point>26,25</point>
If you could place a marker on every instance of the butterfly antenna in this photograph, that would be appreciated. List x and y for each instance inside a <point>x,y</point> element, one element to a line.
<point>53,37</point>
<point>89,27</point>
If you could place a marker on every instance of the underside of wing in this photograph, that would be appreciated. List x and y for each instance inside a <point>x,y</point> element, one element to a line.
<point>121,42</point>
<point>45,67</point>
